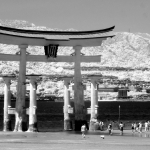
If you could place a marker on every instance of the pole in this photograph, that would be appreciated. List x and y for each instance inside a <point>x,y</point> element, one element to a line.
<point>119,114</point>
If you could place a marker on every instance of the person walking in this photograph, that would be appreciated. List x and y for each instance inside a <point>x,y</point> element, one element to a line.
<point>83,130</point>
<point>121,128</point>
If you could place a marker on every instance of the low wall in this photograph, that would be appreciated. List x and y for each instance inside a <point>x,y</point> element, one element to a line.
<point>50,114</point>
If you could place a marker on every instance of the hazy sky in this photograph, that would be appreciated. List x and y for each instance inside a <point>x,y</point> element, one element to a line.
<point>126,15</point>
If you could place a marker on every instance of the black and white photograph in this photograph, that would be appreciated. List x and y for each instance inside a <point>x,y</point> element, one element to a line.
<point>74,74</point>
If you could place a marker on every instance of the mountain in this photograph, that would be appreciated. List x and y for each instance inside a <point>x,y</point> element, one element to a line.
<point>127,55</point>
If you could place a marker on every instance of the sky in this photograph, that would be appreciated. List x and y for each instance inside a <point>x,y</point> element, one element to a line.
<point>126,15</point>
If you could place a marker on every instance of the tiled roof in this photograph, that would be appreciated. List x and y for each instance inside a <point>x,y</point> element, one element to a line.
<point>57,35</point>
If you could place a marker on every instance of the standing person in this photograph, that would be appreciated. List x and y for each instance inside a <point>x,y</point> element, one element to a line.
<point>132,127</point>
<point>110,129</point>
<point>102,125</point>
<point>83,130</point>
<point>121,128</point>
<point>146,126</point>
<point>135,127</point>
<point>140,127</point>
<point>96,125</point>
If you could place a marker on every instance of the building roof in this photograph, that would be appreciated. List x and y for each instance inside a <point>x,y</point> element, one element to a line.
<point>63,38</point>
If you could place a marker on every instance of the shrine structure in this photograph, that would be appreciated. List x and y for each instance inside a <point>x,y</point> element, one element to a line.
<point>50,40</point>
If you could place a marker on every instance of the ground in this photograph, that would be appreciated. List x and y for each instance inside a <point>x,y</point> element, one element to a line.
<point>73,140</point>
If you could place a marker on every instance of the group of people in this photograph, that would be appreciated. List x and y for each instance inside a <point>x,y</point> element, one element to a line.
<point>110,128</point>
<point>137,127</point>
<point>99,125</point>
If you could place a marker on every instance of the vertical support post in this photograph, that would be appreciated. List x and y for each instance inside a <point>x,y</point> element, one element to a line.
<point>21,119</point>
<point>94,102</point>
<point>67,121</point>
<point>119,116</point>
<point>33,106</point>
<point>80,113</point>
<point>7,102</point>
<point>96,92</point>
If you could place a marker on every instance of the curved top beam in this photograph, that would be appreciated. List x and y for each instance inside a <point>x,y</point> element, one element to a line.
<point>62,38</point>
<point>56,32</point>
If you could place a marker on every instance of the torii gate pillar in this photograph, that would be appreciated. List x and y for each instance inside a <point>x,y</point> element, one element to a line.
<point>21,122</point>
<point>33,106</point>
<point>67,121</point>
<point>94,103</point>
<point>80,113</point>
<point>7,103</point>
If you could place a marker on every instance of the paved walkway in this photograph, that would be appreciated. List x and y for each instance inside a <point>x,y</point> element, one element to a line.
<point>73,141</point>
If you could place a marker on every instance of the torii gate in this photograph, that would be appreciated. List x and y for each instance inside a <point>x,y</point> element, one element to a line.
<point>76,39</point>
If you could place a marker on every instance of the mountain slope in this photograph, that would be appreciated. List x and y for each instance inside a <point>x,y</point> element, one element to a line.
<point>125,51</point>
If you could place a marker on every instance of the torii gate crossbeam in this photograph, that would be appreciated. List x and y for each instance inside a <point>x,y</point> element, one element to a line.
<point>43,58</point>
